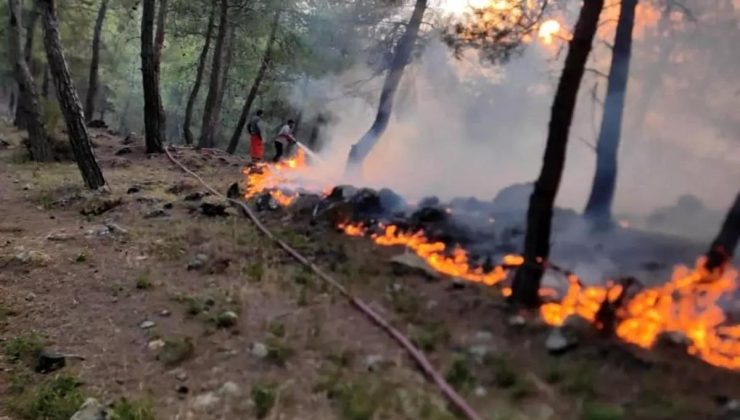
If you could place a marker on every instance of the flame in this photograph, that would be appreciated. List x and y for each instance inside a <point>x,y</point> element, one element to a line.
<point>688,304</point>
<point>549,29</point>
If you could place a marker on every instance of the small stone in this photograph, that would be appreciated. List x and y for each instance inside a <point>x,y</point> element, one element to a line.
<point>229,389</point>
<point>483,336</point>
<point>558,343</point>
<point>26,187</point>
<point>156,345</point>
<point>227,319</point>
<point>59,237</point>
<point>373,362</point>
<point>205,401</point>
<point>480,392</point>
<point>33,258</point>
<point>91,410</point>
<point>49,361</point>
<point>479,352</point>
<point>165,313</point>
<point>30,297</point>
<point>181,375</point>
<point>198,262</point>
<point>259,350</point>
<point>147,325</point>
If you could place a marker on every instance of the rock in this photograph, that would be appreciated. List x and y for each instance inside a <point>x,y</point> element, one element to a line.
<point>30,297</point>
<point>26,187</point>
<point>259,350</point>
<point>146,325</point>
<point>164,313</point>
<point>48,361</point>
<point>32,257</point>
<point>198,262</point>
<point>156,213</point>
<point>483,336</point>
<point>123,151</point>
<point>98,205</point>
<point>230,389</point>
<point>91,410</point>
<point>180,375</point>
<point>60,236</point>
<point>195,196</point>
<point>226,319</point>
<point>213,209</point>
<point>373,362</point>
<point>558,343</point>
<point>479,351</point>
<point>156,345</point>
<point>205,402</point>
<point>97,124</point>
<point>133,189</point>
<point>480,392</point>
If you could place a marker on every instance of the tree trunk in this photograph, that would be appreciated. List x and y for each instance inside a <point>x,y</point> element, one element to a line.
<point>158,45</point>
<point>228,58</point>
<point>405,47</point>
<point>723,246</point>
<point>68,99</point>
<point>598,208</point>
<point>22,115</point>
<point>39,146</point>
<point>539,216</point>
<point>210,113</point>
<point>266,60</point>
<point>45,83</point>
<point>92,84</point>
<point>150,80</point>
<point>187,133</point>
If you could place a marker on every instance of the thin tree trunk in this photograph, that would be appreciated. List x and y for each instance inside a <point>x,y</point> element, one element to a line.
<point>229,56</point>
<point>92,84</point>
<point>158,45</point>
<point>599,206</point>
<point>210,113</point>
<point>266,60</point>
<point>22,115</point>
<point>723,246</point>
<point>45,83</point>
<point>68,99</point>
<point>405,47</point>
<point>39,146</point>
<point>539,216</point>
<point>187,133</point>
<point>149,74</point>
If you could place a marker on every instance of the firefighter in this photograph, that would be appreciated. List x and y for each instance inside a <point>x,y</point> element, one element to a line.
<point>284,140</point>
<point>256,144</point>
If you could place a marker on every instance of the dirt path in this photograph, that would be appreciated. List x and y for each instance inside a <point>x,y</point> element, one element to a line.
<point>199,317</point>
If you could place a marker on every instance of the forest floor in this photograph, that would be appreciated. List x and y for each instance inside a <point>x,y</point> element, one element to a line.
<point>172,314</point>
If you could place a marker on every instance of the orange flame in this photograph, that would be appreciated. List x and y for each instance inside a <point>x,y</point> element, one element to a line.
<point>265,176</point>
<point>549,29</point>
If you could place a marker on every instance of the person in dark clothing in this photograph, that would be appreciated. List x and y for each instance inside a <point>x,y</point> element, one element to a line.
<point>256,144</point>
<point>284,139</point>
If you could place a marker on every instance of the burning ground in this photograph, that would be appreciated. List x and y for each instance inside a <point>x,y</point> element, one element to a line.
<point>87,284</point>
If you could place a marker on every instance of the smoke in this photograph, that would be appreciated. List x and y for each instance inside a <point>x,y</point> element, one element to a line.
<point>462,129</point>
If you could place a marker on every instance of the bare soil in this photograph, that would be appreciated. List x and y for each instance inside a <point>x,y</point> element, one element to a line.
<point>87,288</point>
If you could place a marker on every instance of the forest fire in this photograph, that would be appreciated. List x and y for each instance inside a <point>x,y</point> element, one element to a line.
<point>549,29</point>
<point>688,304</point>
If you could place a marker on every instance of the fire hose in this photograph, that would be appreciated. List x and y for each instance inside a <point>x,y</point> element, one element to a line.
<point>417,355</point>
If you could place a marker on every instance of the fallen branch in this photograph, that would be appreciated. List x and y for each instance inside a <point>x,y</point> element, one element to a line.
<point>417,355</point>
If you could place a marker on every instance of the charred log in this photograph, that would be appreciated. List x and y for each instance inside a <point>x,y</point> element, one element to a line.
<point>266,60</point>
<point>39,146</point>
<point>92,83</point>
<point>600,201</point>
<point>539,215</point>
<point>724,245</point>
<point>202,59</point>
<point>210,113</point>
<point>405,47</point>
<point>68,99</point>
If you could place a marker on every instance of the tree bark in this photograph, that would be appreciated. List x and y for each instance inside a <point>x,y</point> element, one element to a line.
<point>598,208</point>
<point>539,216</point>
<point>68,99</point>
<point>723,247</point>
<point>210,113</point>
<point>158,45</point>
<point>92,84</point>
<point>187,133</point>
<point>150,80</point>
<point>405,47</point>
<point>45,83</point>
<point>228,58</point>
<point>39,146</point>
<point>22,115</point>
<point>266,60</point>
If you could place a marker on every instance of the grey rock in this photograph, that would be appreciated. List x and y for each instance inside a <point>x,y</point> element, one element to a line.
<point>558,343</point>
<point>480,392</point>
<point>373,362</point>
<point>147,325</point>
<point>230,389</point>
<point>91,410</point>
<point>164,313</point>
<point>479,351</point>
<point>198,262</point>
<point>156,345</point>
<point>206,402</point>
<point>259,350</point>
<point>180,374</point>
<point>227,319</point>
